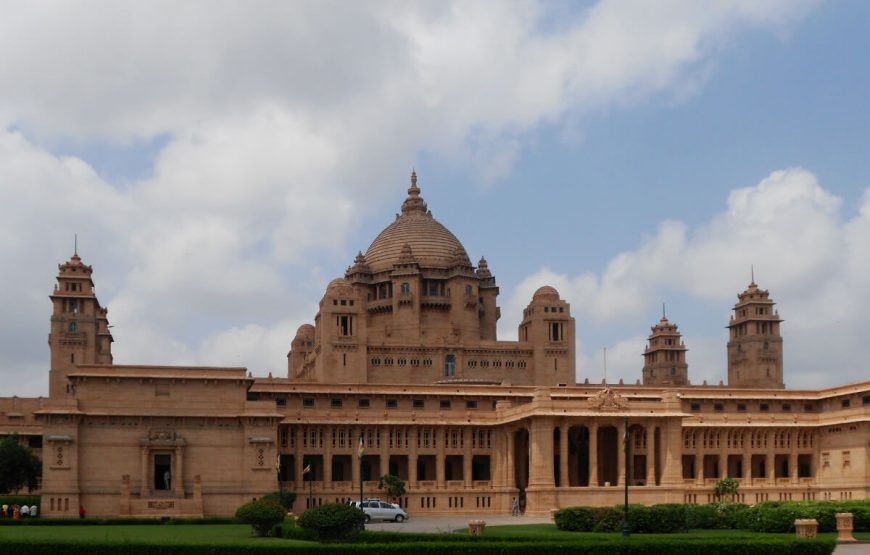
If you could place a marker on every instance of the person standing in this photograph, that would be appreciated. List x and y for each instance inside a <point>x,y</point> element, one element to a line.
<point>515,507</point>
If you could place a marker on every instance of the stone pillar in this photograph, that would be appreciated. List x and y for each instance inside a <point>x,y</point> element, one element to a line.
<point>771,471</point>
<point>178,476</point>
<point>510,464</point>
<point>723,463</point>
<point>564,478</point>
<point>540,495</point>
<point>327,457</point>
<point>467,457</point>
<point>298,459</point>
<point>384,451</point>
<point>593,454</point>
<point>145,488</point>
<point>651,455</point>
<point>699,457</point>
<point>440,436</point>
<point>620,453</point>
<point>125,496</point>
<point>412,458</point>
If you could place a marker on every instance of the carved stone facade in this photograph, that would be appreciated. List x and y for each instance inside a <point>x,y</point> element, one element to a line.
<point>403,357</point>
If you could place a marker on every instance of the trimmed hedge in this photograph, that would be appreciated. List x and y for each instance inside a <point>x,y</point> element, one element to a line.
<point>778,516</point>
<point>40,521</point>
<point>333,522</point>
<point>632,546</point>
<point>774,516</point>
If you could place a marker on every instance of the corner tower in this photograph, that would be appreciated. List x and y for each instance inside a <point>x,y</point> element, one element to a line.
<point>664,360</point>
<point>754,342</point>
<point>79,325</point>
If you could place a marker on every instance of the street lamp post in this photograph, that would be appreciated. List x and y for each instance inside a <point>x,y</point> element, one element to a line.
<point>626,529</point>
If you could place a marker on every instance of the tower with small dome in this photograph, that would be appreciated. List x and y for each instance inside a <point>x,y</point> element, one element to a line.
<point>414,309</point>
<point>755,342</point>
<point>664,360</point>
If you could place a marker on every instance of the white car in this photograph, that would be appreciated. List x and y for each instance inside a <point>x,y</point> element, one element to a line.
<point>375,509</point>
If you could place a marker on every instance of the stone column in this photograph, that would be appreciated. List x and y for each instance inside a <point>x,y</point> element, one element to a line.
<point>327,458</point>
<point>593,454</point>
<point>412,458</point>
<point>440,436</point>
<point>145,489</point>
<point>651,454</point>
<point>297,458</point>
<point>384,451</point>
<point>564,477</point>
<point>467,457</point>
<point>747,458</point>
<point>699,457</point>
<point>620,453</point>
<point>509,463</point>
<point>178,476</point>
<point>793,457</point>
<point>771,471</point>
<point>355,461</point>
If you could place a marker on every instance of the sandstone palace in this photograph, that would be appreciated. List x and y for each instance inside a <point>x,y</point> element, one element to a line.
<point>403,358</point>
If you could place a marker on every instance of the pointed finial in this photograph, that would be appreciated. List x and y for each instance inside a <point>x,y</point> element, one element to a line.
<point>664,315</point>
<point>413,178</point>
<point>752,273</point>
<point>76,244</point>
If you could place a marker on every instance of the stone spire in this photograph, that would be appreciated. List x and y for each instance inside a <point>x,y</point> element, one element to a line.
<point>665,355</point>
<point>414,202</point>
<point>754,342</point>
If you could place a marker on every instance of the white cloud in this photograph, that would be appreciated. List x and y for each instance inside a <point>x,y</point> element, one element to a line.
<point>815,264</point>
<point>283,125</point>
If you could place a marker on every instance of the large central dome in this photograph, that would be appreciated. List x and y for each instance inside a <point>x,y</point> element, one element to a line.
<point>432,244</point>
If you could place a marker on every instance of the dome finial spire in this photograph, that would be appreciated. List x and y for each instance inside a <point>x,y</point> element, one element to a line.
<point>414,202</point>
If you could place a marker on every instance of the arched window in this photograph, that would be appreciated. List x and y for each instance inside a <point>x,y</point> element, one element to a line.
<point>73,327</point>
<point>450,366</point>
<point>405,287</point>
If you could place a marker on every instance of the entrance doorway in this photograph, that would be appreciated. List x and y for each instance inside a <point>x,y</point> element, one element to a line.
<point>162,472</point>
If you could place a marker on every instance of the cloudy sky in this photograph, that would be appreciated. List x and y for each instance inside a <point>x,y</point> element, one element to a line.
<point>222,161</point>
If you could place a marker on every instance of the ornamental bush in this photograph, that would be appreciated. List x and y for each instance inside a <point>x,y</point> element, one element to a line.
<point>575,519</point>
<point>285,499</point>
<point>333,522</point>
<point>262,515</point>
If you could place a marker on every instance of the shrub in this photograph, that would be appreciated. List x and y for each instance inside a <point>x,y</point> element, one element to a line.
<point>575,519</point>
<point>334,522</point>
<point>262,515</point>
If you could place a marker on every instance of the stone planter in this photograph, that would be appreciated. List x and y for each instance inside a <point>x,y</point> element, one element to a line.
<point>844,527</point>
<point>806,528</point>
<point>476,527</point>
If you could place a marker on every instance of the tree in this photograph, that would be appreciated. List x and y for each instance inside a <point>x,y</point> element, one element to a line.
<point>393,485</point>
<point>726,486</point>
<point>19,467</point>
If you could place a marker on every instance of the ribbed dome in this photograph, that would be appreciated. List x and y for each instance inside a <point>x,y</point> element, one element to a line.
<point>432,244</point>
<point>546,293</point>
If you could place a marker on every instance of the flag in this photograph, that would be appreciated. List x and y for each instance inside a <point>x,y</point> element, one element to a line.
<point>306,470</point>
<point>362,448</point>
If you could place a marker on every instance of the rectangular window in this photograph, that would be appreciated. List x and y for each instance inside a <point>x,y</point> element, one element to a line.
<point>718,407</point>
<point>867,400</point>
<point>471,404</point>
<point>444,404</point>
<point>281,402</point>
<point>786,407</point>
<point>363,403</point>
<point>764,407</point>
<point>809,408</point>
<point>335,403</point>
<point>696,407</point>
<point>308,403</point>
<point>345,325</point>
<point>741,407</point>
<point>845,403</point>
<point>392,403</point>
<point>418,403</point>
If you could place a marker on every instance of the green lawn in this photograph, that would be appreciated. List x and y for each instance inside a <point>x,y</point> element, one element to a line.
<point>168,534</point>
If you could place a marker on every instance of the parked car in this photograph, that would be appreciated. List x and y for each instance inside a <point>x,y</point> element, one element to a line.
<point>375,509</point>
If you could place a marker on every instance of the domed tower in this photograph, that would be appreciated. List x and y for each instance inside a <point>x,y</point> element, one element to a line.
<point>79,325</point>
<point>755,343</point>
<point>414,302</point>
<point>301,346</point>
<point>548,328</point>
<point>664,360</point>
